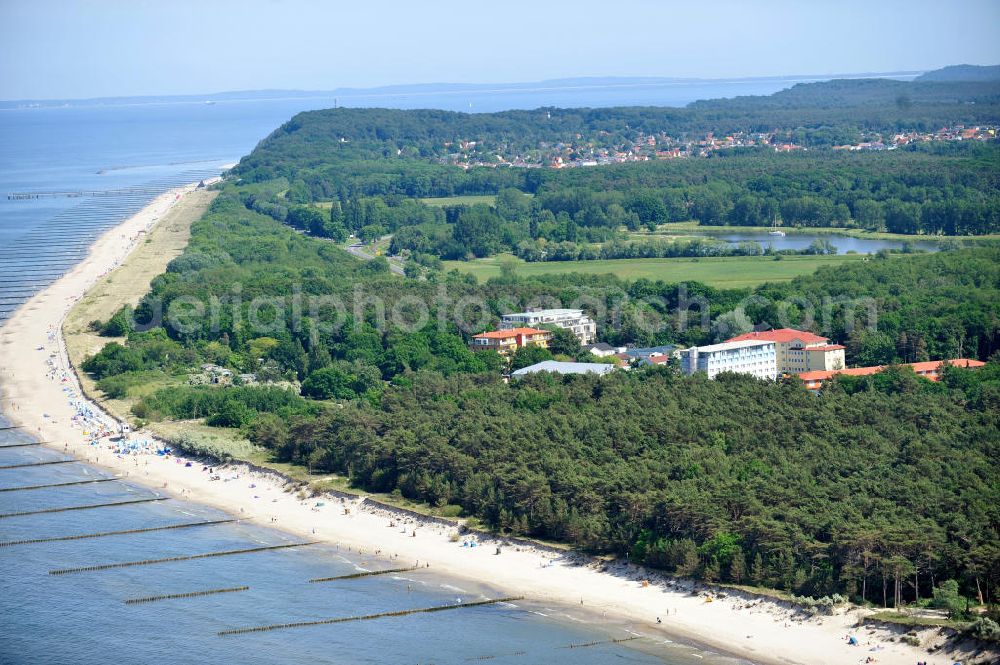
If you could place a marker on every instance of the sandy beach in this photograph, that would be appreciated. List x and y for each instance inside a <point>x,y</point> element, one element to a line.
<point>41,393</point>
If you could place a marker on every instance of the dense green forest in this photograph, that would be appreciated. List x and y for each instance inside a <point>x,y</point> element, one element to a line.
<point>842,107</point>
<point>359,371</point>
<point>374,165</point>
<point>938,189</point>
<point>730,480</point>
<point>651,464</point>
<point>962,73</point>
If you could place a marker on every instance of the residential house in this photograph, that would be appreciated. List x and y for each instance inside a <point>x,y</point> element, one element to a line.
<point>603,349</point>
<point>506,342</point>
<point>572,319</point>
<point>656,359</point>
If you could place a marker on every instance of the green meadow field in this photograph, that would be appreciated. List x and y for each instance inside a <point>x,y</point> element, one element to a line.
<point>488,199</point>
<point>723,272</point>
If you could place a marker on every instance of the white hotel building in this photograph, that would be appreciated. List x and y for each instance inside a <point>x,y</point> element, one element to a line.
<point>755,357</point>
<point>799,351</point>
<point>572,319</point>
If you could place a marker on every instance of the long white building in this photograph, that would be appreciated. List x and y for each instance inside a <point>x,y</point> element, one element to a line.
<point>755,357</point>
<point>572,319</point>
<point>799,351</point>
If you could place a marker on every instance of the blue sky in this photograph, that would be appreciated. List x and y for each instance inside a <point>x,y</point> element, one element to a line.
<point>73,49</point>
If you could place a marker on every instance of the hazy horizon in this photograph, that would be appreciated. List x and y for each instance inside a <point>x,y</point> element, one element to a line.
<point>418,87</point>
<point>112,48</point>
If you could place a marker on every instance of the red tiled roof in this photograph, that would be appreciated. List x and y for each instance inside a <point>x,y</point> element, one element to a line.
<point>824,374</point>
<point>780,335</point>
<point>928,366</point>
<point>936,364</point>
<point>818,375</point>
<point>825,347</point>
<point>504,334</point>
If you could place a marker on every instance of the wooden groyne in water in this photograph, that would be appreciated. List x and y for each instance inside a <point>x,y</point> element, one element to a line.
<point>189,557</point>
<point>73,194</point>
<point>585,645</point>
<point>27,464</point>
<point>366,617</point>
<point>495,656</point>
<point>104,534</point>
<point>189,594</point>
<point>367,573</point>
<point>86,507</point>
<point>21,445</point>
<point>48,485</point>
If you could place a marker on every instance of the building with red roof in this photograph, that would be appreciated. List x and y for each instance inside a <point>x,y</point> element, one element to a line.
<point>930,370</point>
<point>506,342</point>
<point>799,351</point>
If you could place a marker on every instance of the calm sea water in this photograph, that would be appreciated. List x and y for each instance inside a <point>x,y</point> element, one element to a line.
<point>129,154</point>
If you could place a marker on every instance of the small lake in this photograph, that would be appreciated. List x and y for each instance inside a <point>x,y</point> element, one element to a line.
<point>799,241</point>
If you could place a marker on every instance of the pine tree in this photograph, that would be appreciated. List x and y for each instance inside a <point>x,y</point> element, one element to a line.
<point>737,568</point>
<point>710,573</point>
<point>319,358</point>
<point>690,564</point>
<point>757,573</point>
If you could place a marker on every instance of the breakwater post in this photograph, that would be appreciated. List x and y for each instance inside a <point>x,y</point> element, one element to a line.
<point>189,594</point>
<point>189,557</point>
<point>367,573</point>
<point>104,534</point>
<point>367,617</point>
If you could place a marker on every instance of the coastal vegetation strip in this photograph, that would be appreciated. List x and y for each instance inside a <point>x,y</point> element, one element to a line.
<point>130,281</point>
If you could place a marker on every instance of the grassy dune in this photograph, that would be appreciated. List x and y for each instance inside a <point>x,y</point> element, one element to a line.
<point>127,284</point>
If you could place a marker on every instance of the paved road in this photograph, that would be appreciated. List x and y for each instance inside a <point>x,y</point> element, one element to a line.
<point>357,249</point>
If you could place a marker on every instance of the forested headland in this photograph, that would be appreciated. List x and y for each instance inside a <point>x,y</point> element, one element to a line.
<point>753,161</point>
<point>879,488</point>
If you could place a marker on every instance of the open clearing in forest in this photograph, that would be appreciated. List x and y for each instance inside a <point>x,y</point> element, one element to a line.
<point>732,272</point>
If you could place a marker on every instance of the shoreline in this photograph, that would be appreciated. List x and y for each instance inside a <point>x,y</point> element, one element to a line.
<point>36,369</point>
